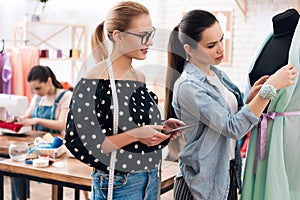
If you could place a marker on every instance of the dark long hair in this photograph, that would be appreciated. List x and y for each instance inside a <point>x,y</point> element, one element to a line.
<point>42,73</point>
<point>188,31</point>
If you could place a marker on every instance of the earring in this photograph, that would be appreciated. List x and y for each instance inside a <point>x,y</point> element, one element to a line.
<point>187,57</point>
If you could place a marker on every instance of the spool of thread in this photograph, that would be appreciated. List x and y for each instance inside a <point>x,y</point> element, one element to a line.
<point>75,53</point>
<point>59,53</point>
<point>57,142</point>
<point>44,53</point>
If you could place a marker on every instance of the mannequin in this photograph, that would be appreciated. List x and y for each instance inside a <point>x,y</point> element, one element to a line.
<point>275,53</point>
<point>276,176</point>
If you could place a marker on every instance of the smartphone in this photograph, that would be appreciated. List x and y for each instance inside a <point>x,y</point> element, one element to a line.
<point>180,128</point>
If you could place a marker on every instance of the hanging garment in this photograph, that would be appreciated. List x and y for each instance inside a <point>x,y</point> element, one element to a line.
<point>22,60</point>
<point>5,74</point>
<point>17,76</point>
<point>29,57</point>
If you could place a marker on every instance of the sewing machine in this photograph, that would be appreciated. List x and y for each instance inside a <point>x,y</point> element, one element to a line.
<point>12,105</point>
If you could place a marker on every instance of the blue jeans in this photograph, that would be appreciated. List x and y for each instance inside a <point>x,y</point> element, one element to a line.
<point>16,187</point>
<point>131,186</point>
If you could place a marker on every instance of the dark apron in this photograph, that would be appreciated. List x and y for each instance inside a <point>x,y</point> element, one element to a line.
<point>46,112</point>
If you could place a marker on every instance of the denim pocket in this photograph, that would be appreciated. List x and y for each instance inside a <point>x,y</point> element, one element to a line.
<point>100,180</point>
<point>100,184</point>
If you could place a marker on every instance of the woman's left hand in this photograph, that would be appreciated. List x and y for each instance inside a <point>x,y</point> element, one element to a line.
<point>173,123</point>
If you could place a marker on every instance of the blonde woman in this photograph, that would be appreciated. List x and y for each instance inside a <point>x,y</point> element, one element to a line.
<point>125,158</point>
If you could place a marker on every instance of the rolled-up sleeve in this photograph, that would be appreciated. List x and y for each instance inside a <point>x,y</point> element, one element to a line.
<point>196,100</point>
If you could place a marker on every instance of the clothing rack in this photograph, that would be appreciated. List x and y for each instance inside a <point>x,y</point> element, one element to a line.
<point>12,41</point>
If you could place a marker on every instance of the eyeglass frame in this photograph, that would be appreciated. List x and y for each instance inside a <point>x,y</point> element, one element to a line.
<point>142,36</point>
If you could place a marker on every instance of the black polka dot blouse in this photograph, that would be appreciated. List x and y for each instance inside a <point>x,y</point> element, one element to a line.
<point>90,119</point>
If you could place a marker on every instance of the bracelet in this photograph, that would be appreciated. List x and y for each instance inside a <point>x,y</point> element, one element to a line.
<point>268,91</point>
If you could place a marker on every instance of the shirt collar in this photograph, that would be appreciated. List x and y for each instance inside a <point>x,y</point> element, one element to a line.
<point>196,72</point>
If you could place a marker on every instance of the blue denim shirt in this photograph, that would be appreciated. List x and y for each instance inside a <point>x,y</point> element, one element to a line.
<point>204,160</point>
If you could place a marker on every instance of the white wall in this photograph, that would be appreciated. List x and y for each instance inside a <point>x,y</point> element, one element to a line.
<point>248,31</point>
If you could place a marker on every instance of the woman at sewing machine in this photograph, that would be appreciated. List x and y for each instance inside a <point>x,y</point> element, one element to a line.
<point>49,105</point>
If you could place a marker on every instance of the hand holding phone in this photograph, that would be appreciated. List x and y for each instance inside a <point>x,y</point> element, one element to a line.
<point>180,128</point>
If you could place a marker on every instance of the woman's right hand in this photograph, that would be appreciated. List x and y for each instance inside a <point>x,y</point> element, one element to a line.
<point>255,88</point>
<point>149,135</point>
<point>283,77</point>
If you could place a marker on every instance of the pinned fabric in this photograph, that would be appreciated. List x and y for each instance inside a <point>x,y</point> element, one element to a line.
<point>11,126</point>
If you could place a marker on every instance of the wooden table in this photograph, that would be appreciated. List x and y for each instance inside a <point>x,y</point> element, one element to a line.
<point>73,174</point>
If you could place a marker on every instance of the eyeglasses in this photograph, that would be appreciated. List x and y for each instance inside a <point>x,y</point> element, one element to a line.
<point>144,36</point>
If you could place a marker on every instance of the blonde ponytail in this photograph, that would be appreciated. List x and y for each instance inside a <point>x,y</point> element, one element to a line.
<point>99,47</point>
